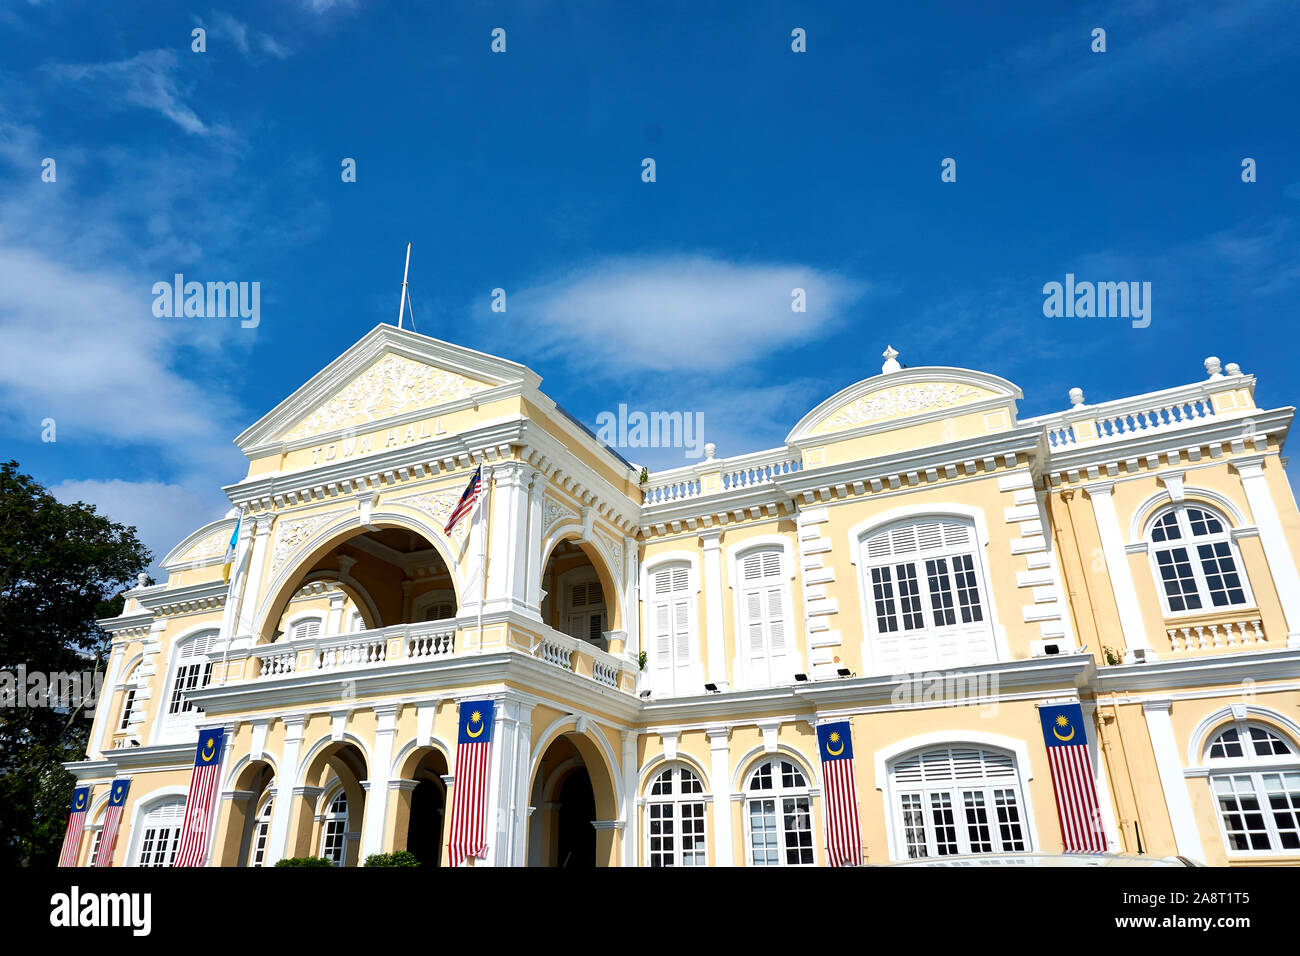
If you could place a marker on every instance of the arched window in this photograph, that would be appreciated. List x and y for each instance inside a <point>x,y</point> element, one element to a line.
<point>584,607</point>
<point>440,611</point>
<point>1196,560</point>
<point>261,831</point>
<point>671,615</point>
<point>950,800</point>
<point>94,844</point>
<point>675,803</point>
<point>778,815</point>
<point>1255,776</point>
<point>305,628</point>
<point>764,591</point>
<point>191,671</point>
<point>160,832</point>
<point>334,833</point>
<point>128,701</point>
<point>927,597</point>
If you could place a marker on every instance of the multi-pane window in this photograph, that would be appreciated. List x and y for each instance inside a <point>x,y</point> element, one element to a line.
<point>94,846</point>
<point>128,707</point>
<point>675,808</point>
<point>1256,785</point>
<point>670,617</point>
<point>764,599</point>
<point>160,833</point>
<point>334,833</point>
<point>193,670</point>
<point>778,815</point>
<point>951,800</point>
<point>926,596</point>
<point>1196,560</point>
<point>261,834</point>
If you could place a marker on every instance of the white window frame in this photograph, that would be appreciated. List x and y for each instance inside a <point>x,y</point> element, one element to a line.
<point>1255,768</point>
<point>778,669</point>
<point>672,807</point>
<point>166,827</point>
<point>431,600</point>
<point>261,828</point>
<point>179,726</point>
<point>301,621</point>
<point>330,816</point>
<point>779,793</point>
<point>956,789</point>
<point>1189,542</point>
<point>931,635</point>
<point>675,676</point>
<point>585,575</point>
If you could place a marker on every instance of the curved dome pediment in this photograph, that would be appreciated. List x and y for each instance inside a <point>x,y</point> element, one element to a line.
<point>896,400</point>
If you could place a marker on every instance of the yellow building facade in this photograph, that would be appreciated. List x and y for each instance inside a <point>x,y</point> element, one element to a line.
<point>916,560</point>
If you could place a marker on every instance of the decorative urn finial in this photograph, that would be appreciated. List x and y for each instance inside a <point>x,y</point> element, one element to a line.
<point>1076,396</point>
<point>1212,367</point>
<point>890,354</point>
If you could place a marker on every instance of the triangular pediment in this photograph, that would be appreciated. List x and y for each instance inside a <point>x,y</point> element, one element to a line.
<point>388,374</point>
<point>903,398</point>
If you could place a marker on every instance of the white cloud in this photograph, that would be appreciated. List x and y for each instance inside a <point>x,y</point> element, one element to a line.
<point>679,313</point>
<point>246,40</point>
<point>144,81</point>
<point>162,514</point>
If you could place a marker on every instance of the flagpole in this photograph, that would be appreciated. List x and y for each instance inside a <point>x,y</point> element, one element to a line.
<point>401,308</point>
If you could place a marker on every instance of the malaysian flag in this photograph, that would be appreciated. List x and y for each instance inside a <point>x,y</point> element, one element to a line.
<point>843,831</point>
<point>76,824</point>
<point>469,795</point>
<point>1076,793</point>
<point>112,820</point>
<point>467,500</point>
<point>201,804</point>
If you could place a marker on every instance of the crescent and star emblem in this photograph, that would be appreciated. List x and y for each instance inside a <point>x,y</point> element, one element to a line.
<point>209,750</point>
<point>1063,721</point>
<point>81,800</point>
<point>117,795</point>
<point>834,738</point>
<point>474,718</point>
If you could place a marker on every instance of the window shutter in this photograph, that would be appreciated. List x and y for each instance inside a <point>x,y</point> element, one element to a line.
<point>776,620</point>
<point>754,622</point>
<point>663,635</point>
<point>682,632</point>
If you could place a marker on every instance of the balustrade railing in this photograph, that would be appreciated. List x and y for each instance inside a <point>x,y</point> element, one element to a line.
<point>1192,637</point>
<point>1139,414</point>
<point>360,649</point>
<point>756,468</point>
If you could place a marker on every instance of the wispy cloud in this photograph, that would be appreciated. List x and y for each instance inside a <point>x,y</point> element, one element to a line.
<point>145,81</point>
<point>248,41</point>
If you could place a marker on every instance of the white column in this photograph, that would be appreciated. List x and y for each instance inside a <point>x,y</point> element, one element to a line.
<point>533,568</point>
<point>103,717</point>
<point>632,597</point>
<point>507,819</point>
<point>334,623</point>
<point>717,661</point>
<point>1281,563</point>
<point>372,831</point>
<point>251,591</point>
<point>507,589</point>
<point>1117,567</point>
<point>630,816</point>
<point>1161,730</point>
<point>720,771</point>
<point>278,838</point>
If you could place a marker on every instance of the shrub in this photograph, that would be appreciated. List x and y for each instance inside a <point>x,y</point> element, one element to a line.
<point>400,858</point>
<point>304,861</point>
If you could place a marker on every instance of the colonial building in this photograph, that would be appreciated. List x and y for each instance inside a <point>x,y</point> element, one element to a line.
<point>916,560</point>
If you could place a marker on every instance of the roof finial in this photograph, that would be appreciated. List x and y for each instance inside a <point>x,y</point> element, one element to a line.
<point>890,365</point>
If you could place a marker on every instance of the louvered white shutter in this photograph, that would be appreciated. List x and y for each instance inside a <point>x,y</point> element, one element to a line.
<point>671,623</point>
<point>763,605</point>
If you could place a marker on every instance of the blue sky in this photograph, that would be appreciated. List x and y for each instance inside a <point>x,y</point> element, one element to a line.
<point>522,171</point>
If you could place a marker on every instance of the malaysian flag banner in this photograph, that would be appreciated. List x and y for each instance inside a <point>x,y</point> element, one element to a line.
<point>843,831</point>
<point>1076,792</point>
<point>469,797</point>
<point>468,499</point>
<point>201,804</point>
<point>112,820</point>
<point>76,826</point>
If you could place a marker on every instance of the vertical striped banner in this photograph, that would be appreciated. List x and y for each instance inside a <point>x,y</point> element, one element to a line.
<point>468,837</point>
<point>200,805</point>
<point>843,830</point>
<point>1076,793</point>
<point>112,821</point>
<point>76,826</point>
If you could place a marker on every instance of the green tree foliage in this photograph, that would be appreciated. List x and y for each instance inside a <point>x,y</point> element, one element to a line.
<point>304,861</point>
<point>61,568</point>
<point>400,858</point>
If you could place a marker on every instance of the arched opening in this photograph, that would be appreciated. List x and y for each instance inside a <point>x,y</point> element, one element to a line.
<point>579,597</point>
<point>574,806</point>
<point>251,813</point>
<point>421,806</point>
<point>362,581</point>
<point>330,812</point>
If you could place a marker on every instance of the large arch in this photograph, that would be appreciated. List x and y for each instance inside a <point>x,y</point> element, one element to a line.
<point>330,765</point>
<point>419,814</point>
<point>573,774</point>
<point>612,587</point>
<point>285,582</point>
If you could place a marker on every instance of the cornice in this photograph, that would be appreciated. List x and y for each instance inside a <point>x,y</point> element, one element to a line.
<point>1221,669</point>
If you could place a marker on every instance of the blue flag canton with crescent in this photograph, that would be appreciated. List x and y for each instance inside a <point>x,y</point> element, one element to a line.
<point>835,741</point>
<point>80,799</point>
<point>1063,725</point>
<point>476,721</point>
<point>209,749</point>
<point>117,794</point>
